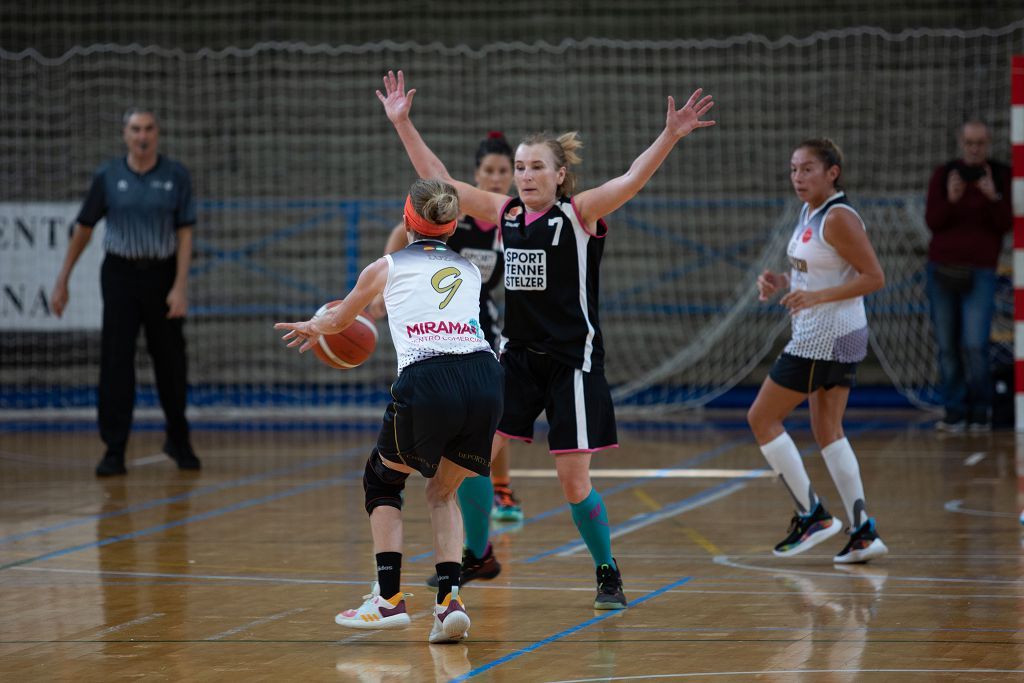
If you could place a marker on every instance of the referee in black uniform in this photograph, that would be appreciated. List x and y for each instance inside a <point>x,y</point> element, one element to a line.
<point>147,201</point>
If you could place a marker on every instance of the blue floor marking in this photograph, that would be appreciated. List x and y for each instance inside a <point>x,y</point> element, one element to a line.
<point>633,520</point>
<point>139,507</point>
<point>242,505</point>
<point>714,489</point>
<point>568,632</point>
<point>632,483</point>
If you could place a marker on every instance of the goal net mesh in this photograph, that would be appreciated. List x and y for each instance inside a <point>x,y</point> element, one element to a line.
<point>299,177</point>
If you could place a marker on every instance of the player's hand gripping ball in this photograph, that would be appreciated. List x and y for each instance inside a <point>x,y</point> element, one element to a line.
<point>350,347</point>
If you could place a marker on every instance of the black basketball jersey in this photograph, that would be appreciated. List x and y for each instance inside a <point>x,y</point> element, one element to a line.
<point>483,249</point>
<point>551,283</point>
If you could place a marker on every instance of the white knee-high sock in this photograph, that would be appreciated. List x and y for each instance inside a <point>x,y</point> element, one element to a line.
<point>782,454</point>
<point>842,465</point>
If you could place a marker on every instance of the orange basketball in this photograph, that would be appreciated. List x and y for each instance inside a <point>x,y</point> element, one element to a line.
<point>350,347</point>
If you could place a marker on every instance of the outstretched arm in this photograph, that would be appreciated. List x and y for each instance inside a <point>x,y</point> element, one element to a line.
<point>604,199</point>
<point>371,282</point>
<point>397,102</point>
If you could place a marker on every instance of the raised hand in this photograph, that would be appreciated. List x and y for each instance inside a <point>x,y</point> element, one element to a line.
<point>681,122</point>
<point>987,185</point>
<point>955,187</point>
<point>395,100</point>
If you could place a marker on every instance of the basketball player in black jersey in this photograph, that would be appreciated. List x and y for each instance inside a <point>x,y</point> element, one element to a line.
<point>554,355</point>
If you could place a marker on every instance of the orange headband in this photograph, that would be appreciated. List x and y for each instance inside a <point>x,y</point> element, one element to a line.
<point>421,224</point>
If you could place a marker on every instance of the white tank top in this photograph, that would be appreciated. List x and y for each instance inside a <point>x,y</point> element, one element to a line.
<point>433,301</point>
<point>838,330</point>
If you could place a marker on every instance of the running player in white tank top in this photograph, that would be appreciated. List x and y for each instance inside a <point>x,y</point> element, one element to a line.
<point>833,267</point>
<point>447,402</point>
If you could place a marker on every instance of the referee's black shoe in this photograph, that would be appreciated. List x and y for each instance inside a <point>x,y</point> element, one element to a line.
<point>183,455</point>
<point>111,465</point>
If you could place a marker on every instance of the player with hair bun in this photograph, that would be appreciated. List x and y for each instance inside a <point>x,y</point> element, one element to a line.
<point>447,401</point>
<point>480,242</point>
<point>554,353</point>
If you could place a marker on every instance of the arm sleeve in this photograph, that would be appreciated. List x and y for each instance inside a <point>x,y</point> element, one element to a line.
<point>95,205</point>
<point>185,212</point>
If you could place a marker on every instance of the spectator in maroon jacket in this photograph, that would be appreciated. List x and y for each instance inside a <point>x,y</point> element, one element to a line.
<point>968,213</point>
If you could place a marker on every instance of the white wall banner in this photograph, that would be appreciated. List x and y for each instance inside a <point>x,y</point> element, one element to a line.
<point>34,239</point>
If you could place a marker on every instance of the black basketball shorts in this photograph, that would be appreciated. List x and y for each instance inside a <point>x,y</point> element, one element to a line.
<point>807,375</point>
<point>578,404</point>
<point>444,407</point>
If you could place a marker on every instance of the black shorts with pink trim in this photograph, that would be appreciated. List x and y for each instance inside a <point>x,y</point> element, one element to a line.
<point>444,407</point>
<point>578,404</point>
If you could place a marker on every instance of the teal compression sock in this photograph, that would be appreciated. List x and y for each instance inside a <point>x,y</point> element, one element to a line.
<point>476,497</point>
<point>591,519</point>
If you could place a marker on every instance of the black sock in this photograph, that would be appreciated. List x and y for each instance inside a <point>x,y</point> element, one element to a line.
<point>448,575</point>
<point>389,573</point>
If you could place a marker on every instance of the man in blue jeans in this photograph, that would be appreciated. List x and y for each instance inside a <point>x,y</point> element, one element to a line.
<point>968,213</point>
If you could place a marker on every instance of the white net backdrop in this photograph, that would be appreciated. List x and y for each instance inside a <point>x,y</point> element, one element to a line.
<point>300,176</point>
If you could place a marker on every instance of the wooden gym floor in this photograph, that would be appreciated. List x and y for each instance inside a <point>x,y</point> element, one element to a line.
<point>235,573</point>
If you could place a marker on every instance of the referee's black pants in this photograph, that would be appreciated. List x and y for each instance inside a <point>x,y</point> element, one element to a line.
<point>134,295</point>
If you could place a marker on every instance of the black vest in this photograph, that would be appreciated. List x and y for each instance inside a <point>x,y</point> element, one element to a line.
<point>551,284</point>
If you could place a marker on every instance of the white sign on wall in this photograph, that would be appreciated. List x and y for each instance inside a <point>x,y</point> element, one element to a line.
<point>34,239</point>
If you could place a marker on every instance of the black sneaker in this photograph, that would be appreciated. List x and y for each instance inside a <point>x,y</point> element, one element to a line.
<point>183,455</point>
<point>807,531</point>
<point>609,588</point>
<point>111,465</point>
<point>473,567</point>
<point>864,545</point>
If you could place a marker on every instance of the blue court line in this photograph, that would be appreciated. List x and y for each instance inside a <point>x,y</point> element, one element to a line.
<point>242,505</point>
<point>695,498</point>
<point>624,486</point>
<point>181,522</point>
<point>826,629</point>
<point>685,501</point>
<point>568,632</point>
<point>139,507</point>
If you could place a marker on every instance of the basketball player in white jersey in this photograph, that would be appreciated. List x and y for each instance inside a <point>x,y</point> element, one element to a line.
<point>833,267</point>
<point>480,242</point>
<point>447,401</point>
<point>554,354</point>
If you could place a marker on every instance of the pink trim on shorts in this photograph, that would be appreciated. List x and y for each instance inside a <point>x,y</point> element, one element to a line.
<point>512,436</point>
<point>584,450</point>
